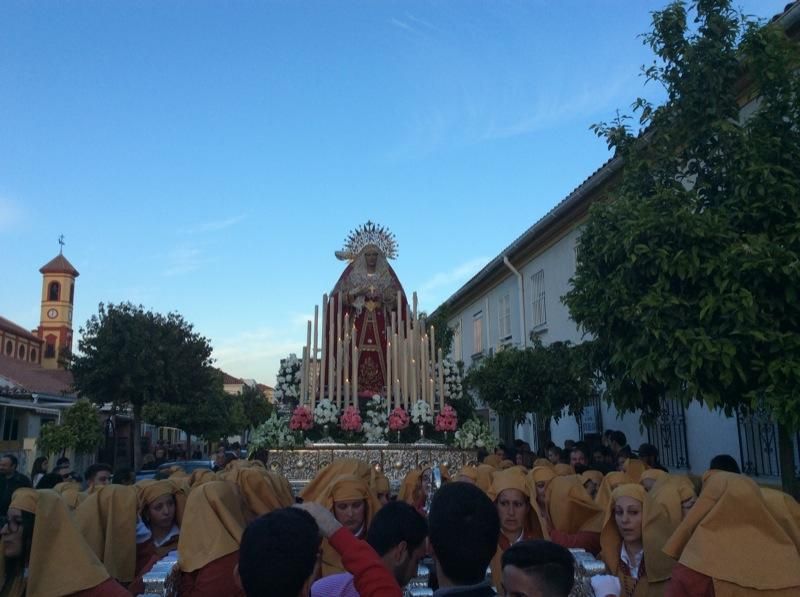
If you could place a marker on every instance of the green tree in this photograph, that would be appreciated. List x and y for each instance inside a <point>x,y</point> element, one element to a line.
<point>444,333</point>
<point>687,279</point>
<point>131,358</point>
<point>254,407</point>
<point>540,379</point>
<point>79,430</point>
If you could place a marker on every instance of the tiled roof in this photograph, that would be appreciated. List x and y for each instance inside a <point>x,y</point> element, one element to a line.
<point>59,265</point>
<point>36,379</point>
<point>228,379</point>
<point>18,330</point>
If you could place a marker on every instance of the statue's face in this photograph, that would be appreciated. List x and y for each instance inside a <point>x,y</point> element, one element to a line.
<point>371,255</point>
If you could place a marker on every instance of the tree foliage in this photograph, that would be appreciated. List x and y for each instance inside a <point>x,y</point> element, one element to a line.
<point>135,358</point>
<point>80,430</point>
<point>444,333</point>
<point>541,379</point>
<point>687,279</point>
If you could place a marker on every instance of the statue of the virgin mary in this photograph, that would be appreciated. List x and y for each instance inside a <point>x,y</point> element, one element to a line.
<point>370,291</point>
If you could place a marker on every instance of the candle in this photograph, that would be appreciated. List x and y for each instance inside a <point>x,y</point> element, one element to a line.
<point>354,366</point>
<point>346,368</point>
<point>321,372</point>
<point>441,381</point>
<point>405,361</point>
<point>331,349</point>
<point>396,374</point>
<point>303,375</point>
<point>430,391</point>
<point>415,305</point>
<point>306,385</point>
<point>339,372</point>
<point>314,367</point>
<point>389,377</point>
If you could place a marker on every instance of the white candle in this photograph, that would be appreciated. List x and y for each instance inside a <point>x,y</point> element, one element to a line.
<point>355,371</point>
<point>331,350</point>
<point>441,381</point>
<point>307,368</point>
<point>322,356</point>
<point>314,367</point>
<point>389,371</point>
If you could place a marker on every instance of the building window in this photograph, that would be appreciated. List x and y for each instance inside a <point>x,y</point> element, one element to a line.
<point>504,317</point>
<point>9,347</point>
<point>10,424</point>
<point>21,351</point>
<point>50,349</point>
<point>54,291</point>
<point>477,333</point>
<point>537,294</point>
<point>33,355</point>
<point>72,293</point>
<point>457,352</point>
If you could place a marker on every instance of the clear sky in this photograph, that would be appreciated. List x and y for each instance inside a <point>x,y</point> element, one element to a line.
<point>210,157</point>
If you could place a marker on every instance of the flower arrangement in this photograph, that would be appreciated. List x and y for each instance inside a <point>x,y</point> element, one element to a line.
<point>326,412</point>
<point>287,388</point>
<point>474,433</point>
<point>453,389</point>
<point>302,419</point>
<point>273,433</point>
<point>421,412</point>
<point>447,420</point>
<point>398,419</point>
<point>374,427</point>
<point>350,420</point>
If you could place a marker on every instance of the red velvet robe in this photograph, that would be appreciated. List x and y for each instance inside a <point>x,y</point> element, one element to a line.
<point>108,588</point>
<point>215,579</point>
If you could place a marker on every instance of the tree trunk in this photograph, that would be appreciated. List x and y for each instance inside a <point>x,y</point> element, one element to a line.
<point>137,441</point>
<point>789,480</point>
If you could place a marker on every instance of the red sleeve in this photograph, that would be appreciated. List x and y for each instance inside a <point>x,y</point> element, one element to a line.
<point>685,582</point>
<point>107,588</point>
<point>212,580</point>
<point>370,576</point>
<point>145,554</point>
<point>583,539</point>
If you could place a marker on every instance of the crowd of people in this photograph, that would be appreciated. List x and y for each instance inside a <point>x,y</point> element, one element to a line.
<point>504,525</point>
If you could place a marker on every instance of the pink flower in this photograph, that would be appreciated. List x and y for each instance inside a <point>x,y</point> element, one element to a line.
<point>351,420</point>
<point>302,419</point>
<point>398,419</point>
<point>447,420</point>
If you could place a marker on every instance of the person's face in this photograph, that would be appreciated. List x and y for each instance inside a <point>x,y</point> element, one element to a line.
<point>518,583</point>
<point>597,456</point>
<point>407,569</point>
<point>621,463</point>
<point>6,467</point>
<point>350,513</point>
<point>591,487</point>
<point>383,498</point>
<point>552,456</point>
<point>648,484</point>
<point>160,453</point>
<point>512,507</point>
<point>102,478</point>
<point>628,516</point>
<point>520,458</point>
<point>541,490</point>
<point>687,505</point>
<point>44,465</point>
<point>219,458</point>
<point>162,512</point>
<point>11,534</point>
<point>371,257</point>
<point>578,457</point>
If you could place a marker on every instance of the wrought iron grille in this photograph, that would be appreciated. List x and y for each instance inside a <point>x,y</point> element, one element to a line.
<point>541,433</point>
<point>590,421</point>
<point>758,445</point>
<point>668,434</point>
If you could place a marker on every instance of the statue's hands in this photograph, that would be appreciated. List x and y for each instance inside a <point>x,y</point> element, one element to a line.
<point>324,518</point>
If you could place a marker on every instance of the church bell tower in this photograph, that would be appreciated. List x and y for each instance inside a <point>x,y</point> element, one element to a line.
<point>58,297</point>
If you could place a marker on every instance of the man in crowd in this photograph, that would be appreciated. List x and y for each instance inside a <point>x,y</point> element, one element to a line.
<point>10,481</point>
<point>97,475</point>
<point>619,445</point>
<point>397,533</point>
<point>538,569</point>
<point>725,462</point>
<point>464,528</point>
<point>648,454</point>
<point>579,456</point>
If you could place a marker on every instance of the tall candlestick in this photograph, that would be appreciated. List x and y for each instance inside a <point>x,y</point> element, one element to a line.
<point>346,368</point>
<point>322,356</point>
<point>430,392</point>
<point>441,381</point>
<point>415,306</point>
<point>303,375</point>
<point>355,373</point>
<point>331,349</point>
<point>339,372</point>
<point>307,367</point>
<point>314,367</point>
<point>406,363</point>
<point>396,374</point>
<point>389,371</point>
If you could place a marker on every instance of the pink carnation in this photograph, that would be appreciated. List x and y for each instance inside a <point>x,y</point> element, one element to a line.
<point>351,420</point>
<point>398,419</point>
<point>447,420</point>
<point>302,419</point>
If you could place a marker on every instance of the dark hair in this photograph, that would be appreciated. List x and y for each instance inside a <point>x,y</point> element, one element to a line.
<point>582,449</point>
<point>626,452</point>
<point>62,461</point>
<point>647,450</point>
<point>12,458</point>
<point>608,433</point>
<point>123,476</point>
<point>550,563</point>
<point>37,466</point>
<point>96,468</point>
<point>278,553</point>
<point>725,462</point>
<point>619,438</point>
<point>49,480</point>
<point>396,522</point>
<point>464,528</point>
<point>15,567</point>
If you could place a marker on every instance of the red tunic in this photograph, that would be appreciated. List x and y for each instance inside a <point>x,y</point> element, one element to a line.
<point>583,539</point>
<point>370,575</point>
<point>107,588</point>
<point>686,582</point>
<point>215,579</point>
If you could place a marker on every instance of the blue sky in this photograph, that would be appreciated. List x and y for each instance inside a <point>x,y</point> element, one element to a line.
<point>210,157</point>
